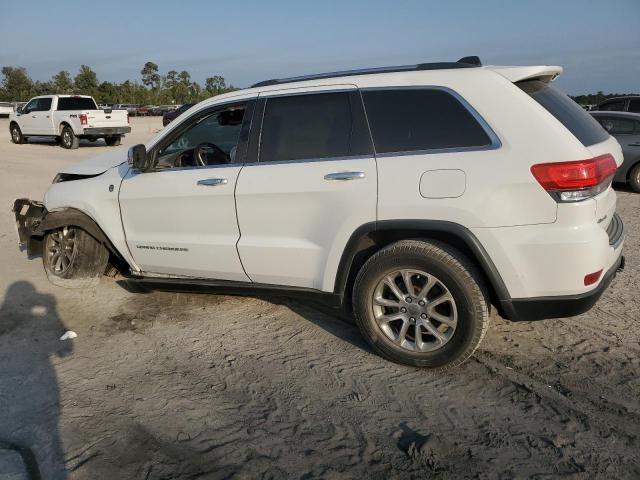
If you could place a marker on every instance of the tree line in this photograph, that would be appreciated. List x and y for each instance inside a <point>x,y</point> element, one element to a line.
<point>154,88</point>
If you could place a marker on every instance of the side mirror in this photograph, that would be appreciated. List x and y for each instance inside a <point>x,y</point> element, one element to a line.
<point>137,157</point>
<point>19,110</point>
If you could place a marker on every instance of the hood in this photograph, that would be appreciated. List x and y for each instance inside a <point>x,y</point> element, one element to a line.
<point>99,164</point>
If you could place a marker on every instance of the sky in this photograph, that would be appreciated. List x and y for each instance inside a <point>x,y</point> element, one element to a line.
<point>597,42</point>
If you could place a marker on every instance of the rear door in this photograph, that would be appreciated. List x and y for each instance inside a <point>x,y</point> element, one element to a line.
<point>308,184</point>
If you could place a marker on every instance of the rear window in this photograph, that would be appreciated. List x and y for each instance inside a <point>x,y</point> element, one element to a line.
<point>406,120</point>
<point>76,103</point>
<point>582,125</point>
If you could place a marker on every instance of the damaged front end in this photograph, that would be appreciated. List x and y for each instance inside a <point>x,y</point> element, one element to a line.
<point>29,218</point>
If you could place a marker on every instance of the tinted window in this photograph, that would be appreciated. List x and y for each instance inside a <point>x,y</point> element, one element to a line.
<point>616,106</point>
<point>76,103</point>
<point>634,105</point>
<point>617,126</point>
<point>321,125</point>
<point>44,105</point>
<point>583,126</point>
<point>421,119</point>
<point>31,106</point>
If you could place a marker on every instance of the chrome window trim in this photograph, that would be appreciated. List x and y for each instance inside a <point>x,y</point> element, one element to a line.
<point>311,160</point>
<point>495,142</point>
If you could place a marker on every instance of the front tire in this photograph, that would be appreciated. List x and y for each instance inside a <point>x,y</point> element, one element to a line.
<point>421,303</point>
<point>73,259</point>
<point>68,139</point>
<point>634,178</point>
<point>16,134</point>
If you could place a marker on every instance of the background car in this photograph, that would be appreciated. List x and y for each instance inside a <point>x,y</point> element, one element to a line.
<point>170,116</point>
<point>621,104</point>
<point>626,128</point>
<point>6,109</point>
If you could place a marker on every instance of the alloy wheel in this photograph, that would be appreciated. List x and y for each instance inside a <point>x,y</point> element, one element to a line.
<point>61,250</point>
<point>415,310</point>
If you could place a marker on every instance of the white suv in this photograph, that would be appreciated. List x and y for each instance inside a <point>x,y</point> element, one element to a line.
<point>414,196</point>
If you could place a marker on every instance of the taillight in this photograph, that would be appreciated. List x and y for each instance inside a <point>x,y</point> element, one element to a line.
<point>83,119</point>
<point>576,181</point>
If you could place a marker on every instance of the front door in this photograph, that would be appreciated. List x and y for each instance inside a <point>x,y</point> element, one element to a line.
<point>308,183</point>
<point>180,217</point>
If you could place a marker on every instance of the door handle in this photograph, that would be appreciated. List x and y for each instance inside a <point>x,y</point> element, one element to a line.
<point>344,176</point>
<point>212,182</point>
<point>634,144</point>
<point>33,116</point>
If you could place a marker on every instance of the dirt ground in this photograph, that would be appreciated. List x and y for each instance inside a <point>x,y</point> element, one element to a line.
<point>176,385</point>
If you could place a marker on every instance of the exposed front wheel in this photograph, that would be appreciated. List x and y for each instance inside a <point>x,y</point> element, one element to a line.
<point>72,258</point>
<point>16,134</point>
<point>634,178</point>
<point>113,141</point>
<point>68,139</point>
<point>421,303</point>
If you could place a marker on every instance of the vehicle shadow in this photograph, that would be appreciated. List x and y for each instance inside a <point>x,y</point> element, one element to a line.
<point>622,187</point>
<point>50,142</point>
<point>331,319</point>
<point>30,329</point>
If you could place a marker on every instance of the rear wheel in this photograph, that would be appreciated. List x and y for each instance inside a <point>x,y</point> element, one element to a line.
<point>112,141</point>
<point>634,178</point>
<point>72,258</point>
<point>421,303</point>
<point>16,134</point>
<point>68,139</point>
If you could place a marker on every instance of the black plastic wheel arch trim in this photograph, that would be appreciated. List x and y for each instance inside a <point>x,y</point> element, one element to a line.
<point>421,226</point>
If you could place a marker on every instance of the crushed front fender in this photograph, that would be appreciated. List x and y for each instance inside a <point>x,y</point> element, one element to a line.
<point>29,217</point>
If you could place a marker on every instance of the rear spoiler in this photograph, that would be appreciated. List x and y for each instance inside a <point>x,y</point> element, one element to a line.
<point>545,73</point>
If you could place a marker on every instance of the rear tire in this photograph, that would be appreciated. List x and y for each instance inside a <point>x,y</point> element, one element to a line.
<point>16,134</point>
<point>73,259</point>
<point>438,321</point>
<point>68,139</point>
<point>634,178</point>
<point>112,141</point>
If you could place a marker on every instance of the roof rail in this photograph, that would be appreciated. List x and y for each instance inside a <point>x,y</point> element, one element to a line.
<point>465,62</point>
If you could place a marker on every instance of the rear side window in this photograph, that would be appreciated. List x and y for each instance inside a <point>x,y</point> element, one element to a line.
<point>76,103</point>
<point>634,105</point>
<point>406,120</point>
<point>313,126</point>
<point>583,126</point>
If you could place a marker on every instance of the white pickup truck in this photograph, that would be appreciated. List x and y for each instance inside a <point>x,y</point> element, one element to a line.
<point>68,118</point>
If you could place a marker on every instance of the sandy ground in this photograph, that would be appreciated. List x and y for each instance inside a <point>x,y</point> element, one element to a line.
<point>164,385</point>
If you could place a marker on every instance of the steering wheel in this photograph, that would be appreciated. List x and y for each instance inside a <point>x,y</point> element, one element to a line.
<point>200,154</point>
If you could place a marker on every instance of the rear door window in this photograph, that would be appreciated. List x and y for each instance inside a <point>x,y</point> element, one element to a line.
<point>617,126</point>
<point>582,125</point>
<point>312,126</point>
<point>406,120</point>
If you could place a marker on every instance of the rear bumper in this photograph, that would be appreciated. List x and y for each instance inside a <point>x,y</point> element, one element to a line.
<point>106,131</point>
<point>29,216</point>
<point>563,306</point>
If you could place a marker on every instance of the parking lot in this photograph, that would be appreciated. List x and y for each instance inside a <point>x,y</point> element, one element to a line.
<point>164,385</point>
